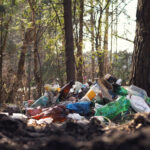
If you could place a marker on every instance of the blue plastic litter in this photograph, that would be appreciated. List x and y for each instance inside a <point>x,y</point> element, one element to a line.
<point>42,101</point>
<point>79,107</point>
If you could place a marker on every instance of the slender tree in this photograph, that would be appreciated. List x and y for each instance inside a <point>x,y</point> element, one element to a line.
<point>80,44</point>
<point>92,39</point>
<point>37,73</point>
<point>4,26</point>
<point>69,46</point>
<point>106,63</point>
<point>27,38</point>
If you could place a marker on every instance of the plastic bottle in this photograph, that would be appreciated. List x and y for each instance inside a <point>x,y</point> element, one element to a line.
<point>147,99</point>
<point>119,90</point>
<point>93,91</point>
<point>113,109</point>
<point>42,101</point>
<point>65,90</point>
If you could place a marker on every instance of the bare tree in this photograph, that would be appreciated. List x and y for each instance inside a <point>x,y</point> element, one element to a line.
<point>69,46</point>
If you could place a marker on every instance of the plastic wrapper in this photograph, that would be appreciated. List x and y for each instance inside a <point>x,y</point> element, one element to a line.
<point>134,90</point>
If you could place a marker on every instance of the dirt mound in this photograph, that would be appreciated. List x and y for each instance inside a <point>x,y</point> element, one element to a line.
<point>140,121</point>
<point>14,134</point>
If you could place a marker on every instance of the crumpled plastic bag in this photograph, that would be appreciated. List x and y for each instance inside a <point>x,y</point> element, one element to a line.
<point>79,107</point>
<point>138,104</point>
<point>75,116</point>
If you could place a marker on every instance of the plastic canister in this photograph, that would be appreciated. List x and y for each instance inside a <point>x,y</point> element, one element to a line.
<point>93,91</point>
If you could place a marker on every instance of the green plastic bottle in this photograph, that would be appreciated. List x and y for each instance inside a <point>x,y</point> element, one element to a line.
<point>147,99</point>
<point>113,109</point>
<point>121,91</point>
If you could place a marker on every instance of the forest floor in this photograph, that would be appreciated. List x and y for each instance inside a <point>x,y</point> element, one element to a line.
<point>70,135</point>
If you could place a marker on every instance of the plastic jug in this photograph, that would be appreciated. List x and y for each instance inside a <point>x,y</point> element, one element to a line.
<point>93,91</point>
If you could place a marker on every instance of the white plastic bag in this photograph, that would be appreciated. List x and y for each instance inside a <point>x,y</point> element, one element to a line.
<point>134,90</point>
<point>138,104</point>
<point>75,116</point>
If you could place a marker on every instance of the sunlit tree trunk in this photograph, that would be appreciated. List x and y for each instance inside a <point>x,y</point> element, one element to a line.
<point>106,63</point>
<point>37,73</point>
<point>116,28</point>
<point>111,47</point>
<point>69,46</point>
<point>141,55</point>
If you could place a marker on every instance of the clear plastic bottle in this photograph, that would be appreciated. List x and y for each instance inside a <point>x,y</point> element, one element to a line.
<point>93,91</point>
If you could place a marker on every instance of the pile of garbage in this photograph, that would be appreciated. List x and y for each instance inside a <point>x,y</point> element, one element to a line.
<point>89,116</point>
<point>105,98</point>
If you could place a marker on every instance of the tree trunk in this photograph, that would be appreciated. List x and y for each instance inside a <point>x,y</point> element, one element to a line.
<point>111,47</point>
<point>69,47</point>
<point>37,73</point>
<point>79,50</point>
<point>92,41</point>
<point>3,40</point>
<point>29,72</point>
<point>116,28</point>
<point>106,63</point>
<point>1,57</point>
<point>99,52</point>
<point>141,55</point>
<point>20,72</point>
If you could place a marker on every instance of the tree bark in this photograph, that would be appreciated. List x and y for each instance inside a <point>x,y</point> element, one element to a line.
<point>106,63</point>
<point>92,40</point>
<point>99,52</point>
<point>79,50</point>
<point>37,73</point>
<point>69,47</point>
<point>111,47</point>
<point>20,72</point>
<point>141,55</point>
<point>3,40</point>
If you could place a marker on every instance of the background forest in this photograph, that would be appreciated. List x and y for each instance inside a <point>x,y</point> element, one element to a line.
<point>51,41</point>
